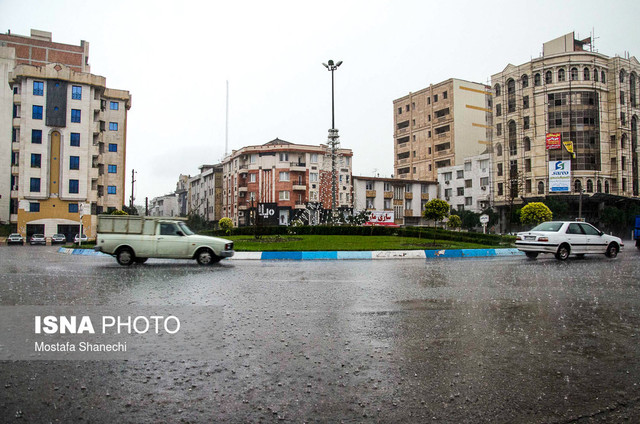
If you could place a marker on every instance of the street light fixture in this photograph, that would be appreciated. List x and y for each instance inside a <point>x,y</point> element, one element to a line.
<point>334,141</point>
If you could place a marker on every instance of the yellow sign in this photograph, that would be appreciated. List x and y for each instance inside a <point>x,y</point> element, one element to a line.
<point>569,146</point>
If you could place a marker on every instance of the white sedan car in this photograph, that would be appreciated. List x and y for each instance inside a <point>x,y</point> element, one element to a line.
<point>567,238</point>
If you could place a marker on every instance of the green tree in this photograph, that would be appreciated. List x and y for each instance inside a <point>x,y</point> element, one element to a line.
<point>119,212</point>
<point>436,210</point>
<point>454,222</point>
<point>535,213</point>
<point>226,224</point>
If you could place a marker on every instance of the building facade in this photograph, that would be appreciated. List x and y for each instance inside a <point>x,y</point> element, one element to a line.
<point>467,186</point>
<point>284,181</point>
<point>166,205</point>
<point>405,198</point>
<point>205,193</point>
<point>67,141</point>
<point>439,126</point>
<point>569,94</point>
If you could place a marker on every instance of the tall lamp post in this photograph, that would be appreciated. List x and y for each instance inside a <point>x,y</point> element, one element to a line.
<point>334,139</point>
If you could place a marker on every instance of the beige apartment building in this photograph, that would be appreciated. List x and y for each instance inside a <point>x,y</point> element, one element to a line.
<point>283,181</point>
<point>439,126</point>
<point>573,94</point>
<point>68,138</point>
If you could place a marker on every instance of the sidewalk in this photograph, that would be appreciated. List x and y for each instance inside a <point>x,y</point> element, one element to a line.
<point>348,255</point>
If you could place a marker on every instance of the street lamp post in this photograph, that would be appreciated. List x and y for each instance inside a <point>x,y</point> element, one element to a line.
<point>580,205</point>
<point>334,141</point>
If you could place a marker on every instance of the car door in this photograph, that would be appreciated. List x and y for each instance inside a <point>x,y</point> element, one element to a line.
<point>576,238</point>
<point>594,239</point>
<point>171,242</point>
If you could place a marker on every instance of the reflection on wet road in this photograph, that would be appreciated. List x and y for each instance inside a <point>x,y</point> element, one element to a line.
<point>473,340</point>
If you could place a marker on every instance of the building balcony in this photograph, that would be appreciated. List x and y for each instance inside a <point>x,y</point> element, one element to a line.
<point>15,170</point>
<point>298,166</point>
<point>408,195</point>
<point>242,189</point>
<point>371,193</point>
<point>242,207</point>
<point>16,121</point>
<point>424,196</point>
<point>299,187</point>
<point>388,194</point>
<point>408,212</point>
<point>300,205</point>
<point>17,98</point>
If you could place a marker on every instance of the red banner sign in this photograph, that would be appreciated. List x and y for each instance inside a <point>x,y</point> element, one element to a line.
<point>554,141</point>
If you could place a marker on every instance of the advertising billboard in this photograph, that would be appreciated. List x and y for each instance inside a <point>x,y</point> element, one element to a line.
<point>554,141</point>
<point>381,218</point>
<point>560,176</point>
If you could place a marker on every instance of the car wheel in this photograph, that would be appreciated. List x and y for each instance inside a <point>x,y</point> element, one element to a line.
<point>638,243</point>
<point>531,255</point>
<point>563,252</point>
<point>612,250</point>
<point>125,256</point>
<point>206,257</point>
<point>140,260</point>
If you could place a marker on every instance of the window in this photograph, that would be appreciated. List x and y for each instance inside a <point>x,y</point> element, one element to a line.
<point>589,186</point>
<point>284,195</point>
<point>468,183</point>
<point>15,158</point>
<point>526,122</point>
<point>499,170</point>
<point>498,110</point>
<point>112,169</point>
<point>622,75</point>
<point>368,185</point>
<point>38,88</point>
<point>284,157</point>
<point>444,95</point>
<point>36,112</point>
<point>284,176</point>
<point>36,159</point>
<point>460,174</point>
<point>113,147</point>
<point>447,176</point>
<point>34,207</point>
<point>525,102</point>
<point>548,77</point>
<point>435,98</point>
<point>603,77</point>
<point>408,188</point>
<point>313,158</point>
<point>527,144</point>
<point>525,81</point>
<point>595,75</point>
<point>74,186</point>
<point>497,89</point>
<point>483,164</point>
<point>36,136</point>
<point>540,187</point>
<point>527,165</point>
<point>252,178</point>
<point>113,126</point>
<point>76,92</point>
<point>114,105</point>
<point>537,80</point>
<point>34,186</point>
<point>468,201</point>
<point>467,166</point>
<point>499,150</point>
<point>586,74</point>
<point>387,204</point>
<point>484,181</point>
<point>448,192</point>
<point>73,208</point>
<point>460,191</point>
<point>499,129</point>
<point>74,139</point>
<point>574,74</point>
<point>313,177</point>
<point>561,75</point>
<point>621,97</point>
<point>111,189</point>
<point>74,162</point>
<point>76,115</point>
<point>500,189</point>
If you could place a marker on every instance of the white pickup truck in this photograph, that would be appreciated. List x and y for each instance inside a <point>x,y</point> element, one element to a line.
<point>134,239</point>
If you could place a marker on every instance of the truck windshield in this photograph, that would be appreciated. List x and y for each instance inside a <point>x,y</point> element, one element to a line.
<point>186,230</point>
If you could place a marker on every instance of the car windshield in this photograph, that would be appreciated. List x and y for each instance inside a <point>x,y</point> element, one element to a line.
<point>186,230</point>
<point>548,226</point>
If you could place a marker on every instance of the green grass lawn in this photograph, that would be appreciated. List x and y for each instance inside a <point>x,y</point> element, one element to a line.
<point>342,243</point>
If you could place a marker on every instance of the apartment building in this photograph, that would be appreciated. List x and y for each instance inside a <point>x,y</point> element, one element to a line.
<point>67,140</point>
<point>403,198</point>
<point>284,181</point>
<point>467,186</point>
<point>205,193</point>
<point>166,205</point>
<point>570,93</point>
<point>440,126</point>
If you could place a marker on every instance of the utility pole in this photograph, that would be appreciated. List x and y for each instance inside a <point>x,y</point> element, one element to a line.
<point>133,181</point>
<point>334,139</point>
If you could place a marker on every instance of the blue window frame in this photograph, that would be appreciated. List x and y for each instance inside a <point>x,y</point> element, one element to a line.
<point>111,189</point>
<point>74,162</point>
<point>36,112</point>
<point>76,115</point>
<point>74,139</point>
<point>76,92</point>
<point>113,147</point>
<point>38,88</point>
<point>36,136</point>
<point>34,207</point>
<point>73,208</point>
<point>34,185</point>
<point>114,105</point>
<point>74,186</point>
<point>36,160</point>
<point>113,126</point>
<point>113,169</point>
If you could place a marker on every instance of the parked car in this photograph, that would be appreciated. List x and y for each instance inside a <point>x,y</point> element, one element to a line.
<point>38,239</point>
<point>58,238</point>
<point>76,239</point>
<point>15,238</point>
<point>564,238</point>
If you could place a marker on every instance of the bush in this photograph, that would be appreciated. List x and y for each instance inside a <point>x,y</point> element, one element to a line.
<point>454,222</point>
<point>226,225</point>
<point>535,213</point>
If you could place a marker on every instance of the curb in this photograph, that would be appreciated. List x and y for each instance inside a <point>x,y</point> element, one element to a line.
<point>345,255</point>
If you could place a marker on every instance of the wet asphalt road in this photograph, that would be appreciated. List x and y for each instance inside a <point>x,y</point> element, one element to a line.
<point>502,340</point>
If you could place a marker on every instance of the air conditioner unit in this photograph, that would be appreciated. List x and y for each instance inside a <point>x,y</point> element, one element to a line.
<point>14,188</point>
<point>447,182</point>
<point>483,188</point>
<point>446,198</point>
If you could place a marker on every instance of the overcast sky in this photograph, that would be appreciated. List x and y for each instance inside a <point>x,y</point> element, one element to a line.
<point>176,56</point>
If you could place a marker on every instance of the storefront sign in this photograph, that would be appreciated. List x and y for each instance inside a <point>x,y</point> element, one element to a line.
<point>560,176</point>
<point>381,218</point>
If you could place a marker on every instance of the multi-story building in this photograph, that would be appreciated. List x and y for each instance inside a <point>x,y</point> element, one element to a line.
<point>166,205</point>
<point>440,126</point>
<point>205,193</point>
<point>576,95</point>
<point>182,193</point>
<point>68,138</point>
<point>404,198</point>
<point>284,181</point>
<point>467,186</point>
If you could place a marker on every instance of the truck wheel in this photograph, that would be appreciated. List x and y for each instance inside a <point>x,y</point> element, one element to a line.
<point>206,257</point>
<point>563,252</point>
<point>125,256</point>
